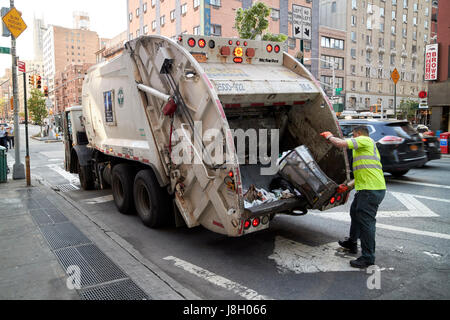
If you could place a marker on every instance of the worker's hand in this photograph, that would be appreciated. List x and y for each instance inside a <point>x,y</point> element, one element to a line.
<point>327,135</point>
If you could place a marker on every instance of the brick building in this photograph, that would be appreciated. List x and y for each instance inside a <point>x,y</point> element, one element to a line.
<point>68,86</point>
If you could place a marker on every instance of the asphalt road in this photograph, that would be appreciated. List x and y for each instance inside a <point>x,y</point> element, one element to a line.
<point>297,257</point>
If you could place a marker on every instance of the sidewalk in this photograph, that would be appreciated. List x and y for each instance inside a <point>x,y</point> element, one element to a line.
<point>43,234</point>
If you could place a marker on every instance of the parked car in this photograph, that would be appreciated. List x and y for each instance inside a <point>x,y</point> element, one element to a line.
<point>431,142</point>
<point>401,147</point>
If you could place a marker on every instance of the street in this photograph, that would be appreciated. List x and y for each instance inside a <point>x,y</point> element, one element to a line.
<point>297,257</point>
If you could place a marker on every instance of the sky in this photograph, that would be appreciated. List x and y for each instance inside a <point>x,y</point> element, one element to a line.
<point>108,18</point>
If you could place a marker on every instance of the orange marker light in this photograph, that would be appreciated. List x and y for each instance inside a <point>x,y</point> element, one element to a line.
<point>238,52</point>
<point>202,43</point>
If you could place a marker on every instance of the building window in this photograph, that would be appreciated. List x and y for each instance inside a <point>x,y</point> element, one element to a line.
<point>146,29</point>
<point>416,7</point>
<point>172,15</point>
<point>353,53</point>
<point>275,14</point>
<point>353,36</point>
<point>197,30</point>
<point>137,12</point>
<point>426,24</point>
<point>332,43</point>
<point>130,17</point>
<point>393,29</point>
<point>154,25</point>
<point>196,4</point>
<point>394,2</point>
<point>354,5</point>
<point>292,42</point>
<point>404,32</point>
<point>394,15</point>
<point>144,7</point>
<point>381,12</point>
<point>353,20</point>
<point>137,33</point>
<point>330,60</point>
<point>405,4</point>
<point>333,6</point>
<point>162,20</point>
<point>405,18</point>
<point>392,60</point>
<point>184,8</point>
<point>153,3</point>
<point>216,30</point>
<point>215,3</point>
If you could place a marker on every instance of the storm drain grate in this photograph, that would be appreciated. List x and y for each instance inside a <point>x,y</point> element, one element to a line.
<point>95,266</point>
<point>63,235</point>
<point>67,187</point>
<point>48,216</point>
<point>122,290</point>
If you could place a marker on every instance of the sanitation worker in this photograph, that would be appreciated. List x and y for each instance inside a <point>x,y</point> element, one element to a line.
<point>370,191</point>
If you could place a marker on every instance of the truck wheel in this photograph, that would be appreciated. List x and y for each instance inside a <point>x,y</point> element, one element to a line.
<point>151,200</point>
<point>122,188</point>
<point>86,177</point>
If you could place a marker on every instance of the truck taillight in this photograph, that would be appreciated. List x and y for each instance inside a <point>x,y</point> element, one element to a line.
<point>250,52</point>
<point>277,48</point>
<point>191,42</point>
<point>225,51</point>
<point>245,43</point>
<point>202,43</point>
<point>256,222</point>
<point>391,140</point>
<point>332,200</point>
<point>269,48</point>
<point>230,42</point>
<point>238,52</point>
<point>238,43</point>
<point>238,60</point>
<point>247,224</point>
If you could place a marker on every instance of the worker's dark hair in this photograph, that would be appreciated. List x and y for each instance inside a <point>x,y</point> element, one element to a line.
<point>362,130</point>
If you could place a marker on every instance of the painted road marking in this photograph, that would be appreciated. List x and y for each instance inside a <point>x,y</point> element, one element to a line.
<point>420,184</point>
<point>217,280</point>
<point>414,231</point>
<point>431,198</point>
<point>301,258</point>
<point>99,199</point>
<point>72,178</point>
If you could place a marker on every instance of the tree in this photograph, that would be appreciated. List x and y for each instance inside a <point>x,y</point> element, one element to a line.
<point>37,108</point>
<point>408,109</point>
<point>250,23</point>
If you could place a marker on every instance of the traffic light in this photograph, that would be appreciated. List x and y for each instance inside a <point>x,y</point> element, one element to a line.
<point>38,82</point>
<point>31,80</point>
<point>46,91</point>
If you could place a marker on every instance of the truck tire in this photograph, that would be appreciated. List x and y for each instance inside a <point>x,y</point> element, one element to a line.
<point>122,188</point>
<point>86,176</point>
<point>151,200</point>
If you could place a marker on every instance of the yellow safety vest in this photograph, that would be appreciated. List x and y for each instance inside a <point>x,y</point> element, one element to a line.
<point>367,167</point>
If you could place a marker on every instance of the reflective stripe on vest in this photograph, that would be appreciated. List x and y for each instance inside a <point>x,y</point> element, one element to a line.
<point>355,144</point>
<point>374,157</point>
<point>367,166</point>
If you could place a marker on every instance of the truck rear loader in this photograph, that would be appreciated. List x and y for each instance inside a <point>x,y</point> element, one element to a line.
<point>162,100</point>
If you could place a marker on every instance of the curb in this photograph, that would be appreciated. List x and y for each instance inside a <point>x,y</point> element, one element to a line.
<point>157,284</point>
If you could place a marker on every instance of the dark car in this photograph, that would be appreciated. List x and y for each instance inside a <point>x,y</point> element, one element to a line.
<point>431,143</point>
<point>401,147</point>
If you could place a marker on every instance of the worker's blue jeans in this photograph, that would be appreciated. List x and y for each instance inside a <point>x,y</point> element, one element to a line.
<point>363,211</point>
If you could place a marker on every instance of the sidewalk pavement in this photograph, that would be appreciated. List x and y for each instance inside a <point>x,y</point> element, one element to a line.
<point>43,234</point>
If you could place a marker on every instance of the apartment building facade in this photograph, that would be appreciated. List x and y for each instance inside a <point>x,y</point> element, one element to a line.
<point>207,17</point>
<point>383,35</point>
<point>63,47</point>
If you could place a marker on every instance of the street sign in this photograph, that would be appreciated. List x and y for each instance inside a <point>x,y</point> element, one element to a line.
<point>5,31</point>
<point>395,76</point>
<point>338,91</point>
<point>5,50</point>
<point>301,22</point>
<point>431,62</point>
<point>423,105</point>
<point>14,22</point>
<point>21,66</point>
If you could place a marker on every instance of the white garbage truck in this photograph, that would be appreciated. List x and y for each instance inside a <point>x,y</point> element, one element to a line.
<point>205,100</point>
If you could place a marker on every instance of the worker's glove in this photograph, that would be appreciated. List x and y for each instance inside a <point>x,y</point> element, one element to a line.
<point>327,135</point>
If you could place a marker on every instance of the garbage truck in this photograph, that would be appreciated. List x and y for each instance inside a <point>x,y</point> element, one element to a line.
<point>204,100</point>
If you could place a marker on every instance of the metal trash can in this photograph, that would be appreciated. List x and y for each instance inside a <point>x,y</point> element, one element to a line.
<point>3,165</point>
<point>300,169</point>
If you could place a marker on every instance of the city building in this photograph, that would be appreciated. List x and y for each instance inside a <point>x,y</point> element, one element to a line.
<point>213,17</point>
<point>110,48</point>
<point>81,20</point>
<point>63,47</point>
<point>6,94</point>
<point>68,86</point>
<point>439,90</point>
<point>381,35</point>
<point>38,38</point>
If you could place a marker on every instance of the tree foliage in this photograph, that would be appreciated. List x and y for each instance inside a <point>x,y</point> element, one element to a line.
<point>252,22</point>
<point>408,108</point>
<point>37,108</point>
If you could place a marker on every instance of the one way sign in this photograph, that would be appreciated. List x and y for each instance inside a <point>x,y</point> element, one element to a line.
<point>301,22</point>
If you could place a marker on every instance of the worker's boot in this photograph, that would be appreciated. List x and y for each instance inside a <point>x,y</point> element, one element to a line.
<point>351,246</point>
